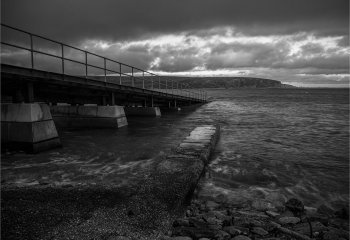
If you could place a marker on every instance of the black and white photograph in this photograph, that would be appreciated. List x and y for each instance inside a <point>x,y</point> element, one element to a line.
<point>175,119</point>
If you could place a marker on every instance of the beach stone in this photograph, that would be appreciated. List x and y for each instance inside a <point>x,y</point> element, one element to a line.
<point>339,223</point>
<point>253,214</point>
<point>262,205</point>
<point>241,237</point>
<point>228,221</point>
<point>272,214</point>
<point>325,210</point>
<point>304,228</point>
<point>255,223</point>
<point>317,217</point>
<point>211,205</point>
<point>220,215</point>
<point>181,222</point>
<point>204,239</point>
<point>213,221</point>
<point>232,230</point>
<point>195,232</point>
<point>181,238</point>
<point>222,235</point>
<point>310,210</point>
<point>260,231</point>
<point>295,205</point>
<point>118,238</point>
<point>343,212</point>
<point>289,220</point>
<point>286,213</point>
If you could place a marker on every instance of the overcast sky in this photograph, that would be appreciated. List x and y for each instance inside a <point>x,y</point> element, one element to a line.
<point>303,42</point>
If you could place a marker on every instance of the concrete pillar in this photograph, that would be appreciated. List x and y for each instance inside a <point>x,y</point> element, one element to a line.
<point>89,116</point>
<point>142,111</point>
<point>28,126</point>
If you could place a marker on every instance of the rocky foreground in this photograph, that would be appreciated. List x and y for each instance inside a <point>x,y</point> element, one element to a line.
<point>208,219</point>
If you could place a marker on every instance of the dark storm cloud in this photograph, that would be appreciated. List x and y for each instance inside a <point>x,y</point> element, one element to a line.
<point>74,21</point>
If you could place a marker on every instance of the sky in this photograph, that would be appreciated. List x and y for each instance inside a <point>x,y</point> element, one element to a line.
<point>299,42</point>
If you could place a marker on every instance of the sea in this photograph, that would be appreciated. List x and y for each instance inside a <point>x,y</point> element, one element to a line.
<point>274,142</point>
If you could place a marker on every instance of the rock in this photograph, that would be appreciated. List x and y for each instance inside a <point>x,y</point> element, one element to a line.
<point>213,221</point>
<point>232,230</point>
<point>181,222</point>
<point>220,215</point>
<point>295,205</point>
<point>255,223</point>
<point>317,217</point>
<point>262,205</point>
<point>286,213</point>
<point>310,210</point>
<point>211,205</point>
<point>304,228</point>
<point>195,232</point>
<point>204,239</point>
<point>253,214</point>
<point>339,223</point>
<point>272,214</point>
<point>343,213</point>
<point>289,220</point>
<point>222,235</point>
<point>341,233</point>
<point>243,229</point>
<point>325,210</point>
<point>241,237</point>
<point>228,221</point>
<point>118,238</point>
<point>181,238</point>
<point>260,231</point>
<point>221,198</point>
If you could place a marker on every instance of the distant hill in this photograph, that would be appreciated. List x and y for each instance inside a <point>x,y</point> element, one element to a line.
<point>230,82</point>
<point>215,82</point>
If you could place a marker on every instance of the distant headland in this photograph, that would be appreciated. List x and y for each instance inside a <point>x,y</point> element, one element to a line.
<point>230,82</point>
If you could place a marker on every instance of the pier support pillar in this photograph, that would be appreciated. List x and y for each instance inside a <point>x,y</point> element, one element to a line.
<point>28,126</point>
<point>143,111</point>
<point>89,116</point>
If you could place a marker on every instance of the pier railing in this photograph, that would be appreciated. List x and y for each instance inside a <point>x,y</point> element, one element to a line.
<point>109,69</point>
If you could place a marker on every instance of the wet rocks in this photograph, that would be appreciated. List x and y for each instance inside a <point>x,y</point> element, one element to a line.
<point>222,220</point>
<point>295,205</point>
<point>272,214</point>
<point>260,231</point>
<point>289,220</point>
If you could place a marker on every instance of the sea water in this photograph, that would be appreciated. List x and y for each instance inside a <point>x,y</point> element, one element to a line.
<point>274,142</point>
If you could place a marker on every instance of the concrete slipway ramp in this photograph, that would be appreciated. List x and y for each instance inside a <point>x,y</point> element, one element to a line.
<point>141,211</point>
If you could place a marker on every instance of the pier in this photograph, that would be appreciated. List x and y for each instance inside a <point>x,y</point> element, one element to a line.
<point>37,95</point>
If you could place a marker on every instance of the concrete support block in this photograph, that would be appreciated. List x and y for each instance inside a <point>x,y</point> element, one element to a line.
<point>142,111</point>
<point>89,116</point>
<point>170,110</point>
<point>28,126</point>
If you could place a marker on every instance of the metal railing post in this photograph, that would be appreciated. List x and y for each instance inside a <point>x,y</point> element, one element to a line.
<point>62,51</point>
<point>31,50</point>
<point>143,79</point>
<point>132,76</point>
<point>172,86</point>
<point>120,73</point>
<point>86,66</point>
<point>105,69</point>
<point>158,82</point>
<point>166,85</point>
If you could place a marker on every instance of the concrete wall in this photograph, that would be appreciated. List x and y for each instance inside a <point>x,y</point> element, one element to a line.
<point>142,111</point>
<point>28,127</point>
<point>66,116</point>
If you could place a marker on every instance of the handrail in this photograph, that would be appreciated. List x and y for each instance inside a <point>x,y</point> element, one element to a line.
<point>168,88</point>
